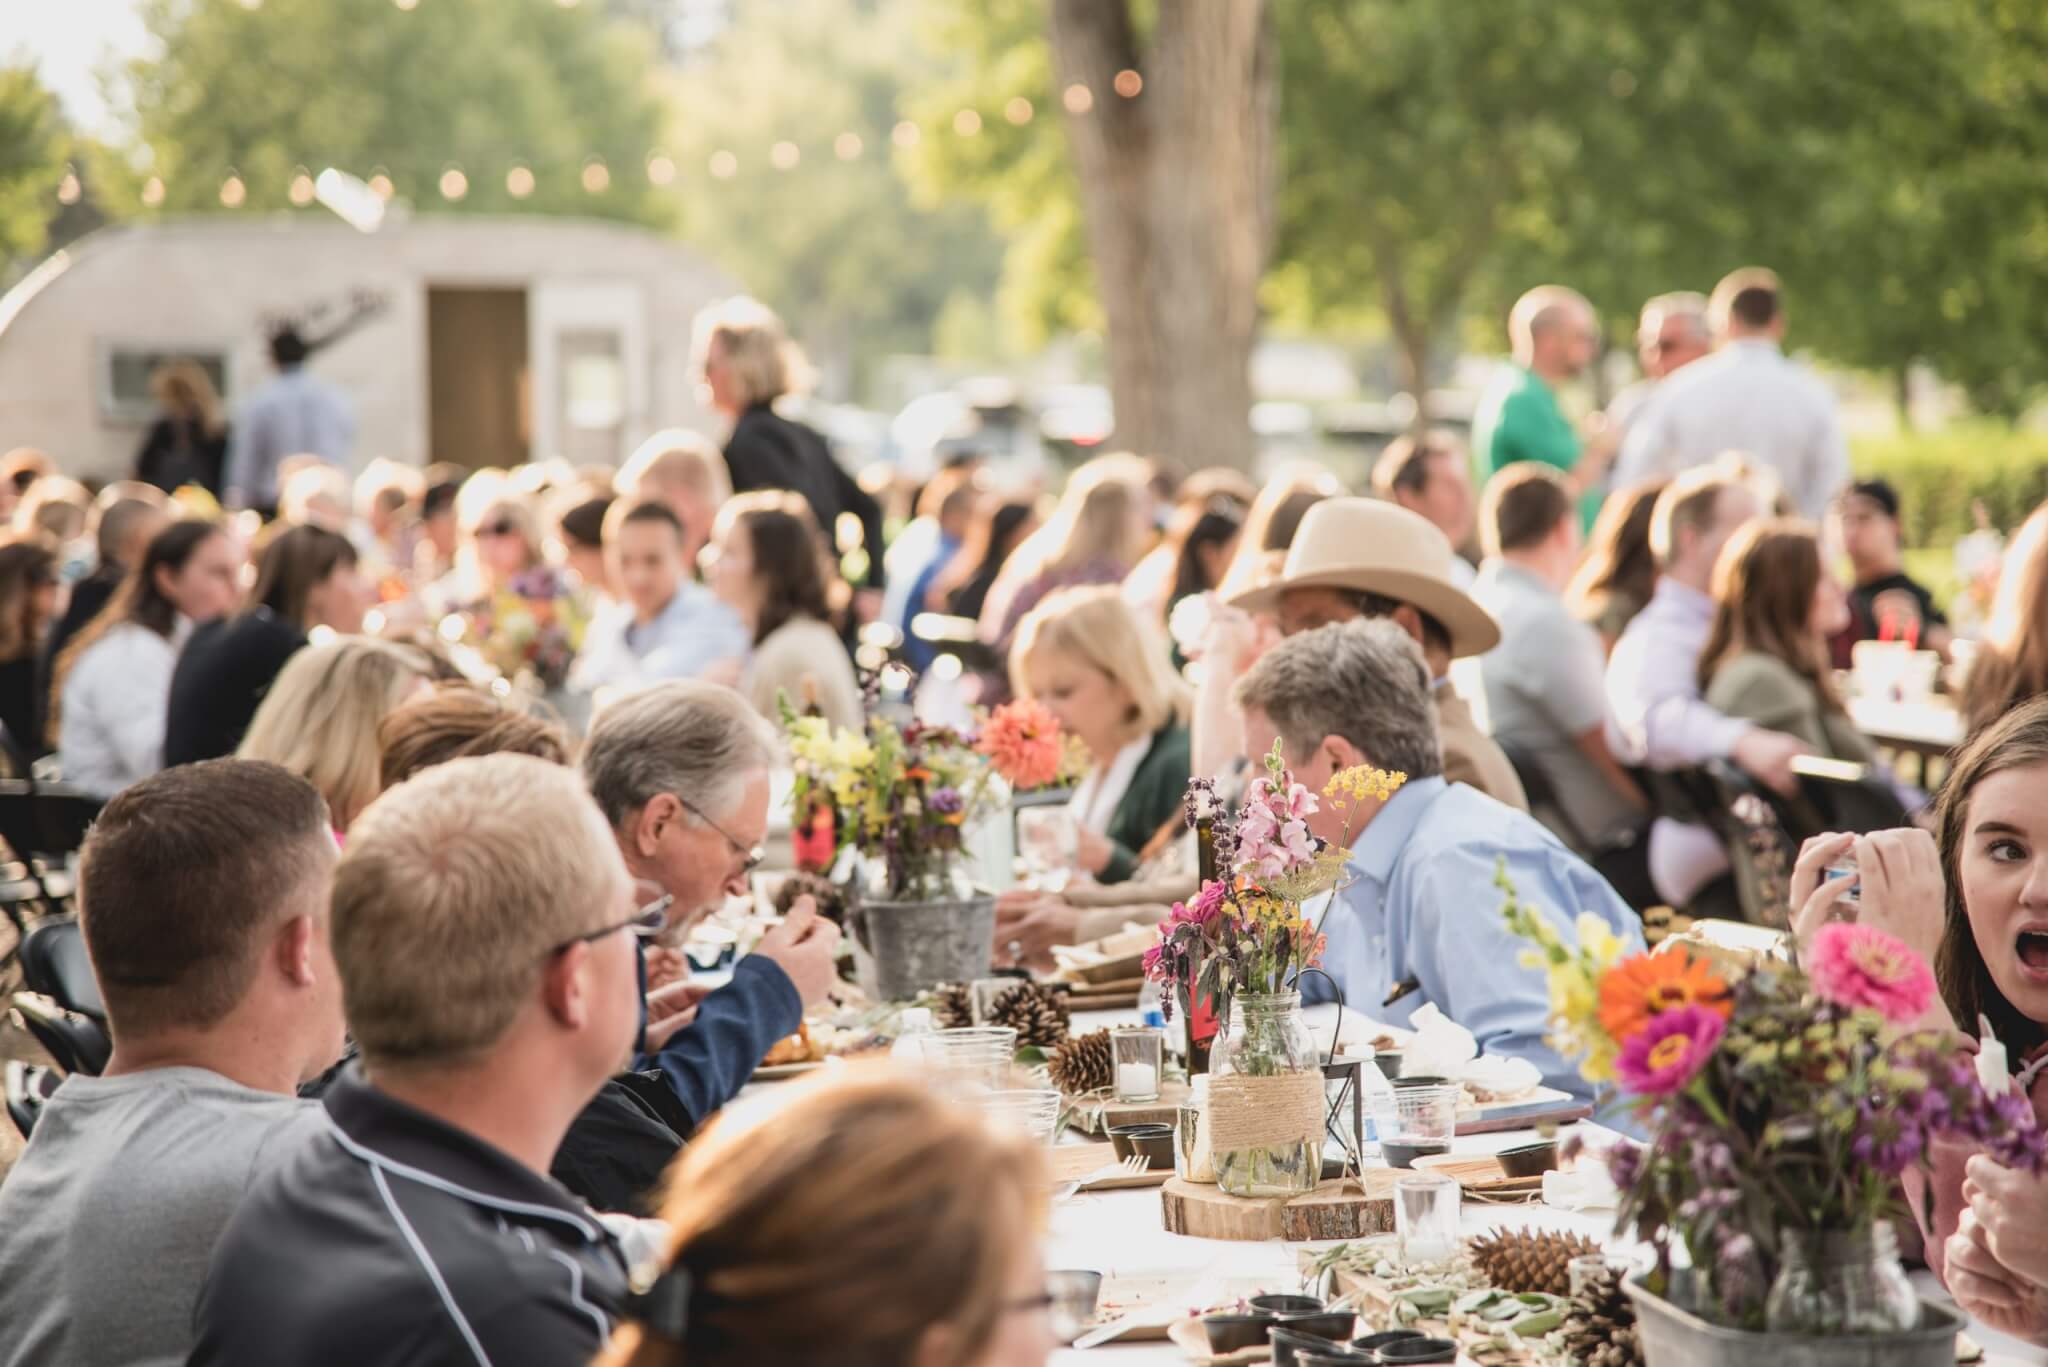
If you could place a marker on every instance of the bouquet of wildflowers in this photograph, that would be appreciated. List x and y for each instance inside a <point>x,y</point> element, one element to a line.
<point>533,626</point>
<point>902,796</point>
<point>1245,930</point>
<point>1783,1105</point>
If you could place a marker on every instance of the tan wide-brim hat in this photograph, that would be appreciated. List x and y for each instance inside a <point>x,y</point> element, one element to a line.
<point>1372,546</point>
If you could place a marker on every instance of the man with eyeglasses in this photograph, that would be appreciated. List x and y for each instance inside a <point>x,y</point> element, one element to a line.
<point>681,773</point>
<point>1671,334</point>
<point>482,928</point>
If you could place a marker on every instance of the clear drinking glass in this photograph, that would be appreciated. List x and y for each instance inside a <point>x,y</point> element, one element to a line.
<point>1414,1122</point>
<point>1426,1210</point>
<point>1048,842</point>
<point>1032,1111</point>
<point>1840,1282</point>
<point>978,1055</point>
<point>1139,1051</point>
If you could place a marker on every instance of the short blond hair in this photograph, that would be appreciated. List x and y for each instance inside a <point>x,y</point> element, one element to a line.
<point>675,459</point>
<point>320,718</point>
<point>1097,627</point>
<point>1540,310</point>
<point>1693,500</point>
<point>763,363</point>
<point>454,887</point>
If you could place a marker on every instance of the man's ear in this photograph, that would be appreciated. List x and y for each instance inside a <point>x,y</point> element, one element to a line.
<point>1341,753</point>
<point>563,988</point>
<point>292,950</point>
<point>651,822</point>
<point>1409,620</point>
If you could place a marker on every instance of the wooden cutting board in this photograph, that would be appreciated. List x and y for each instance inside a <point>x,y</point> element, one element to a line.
<point>1097,1119</point>
<point>1072,1162</point>
<point>1350,1209</point>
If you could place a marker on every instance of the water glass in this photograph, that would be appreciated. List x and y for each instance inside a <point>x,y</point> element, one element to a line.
<point>1034,1112</point>
<point>1415,1122</point>
<point>1426,1210</point>
<point>1138,1051</point>
<point>978,1055</point>
<point>1049,843</point>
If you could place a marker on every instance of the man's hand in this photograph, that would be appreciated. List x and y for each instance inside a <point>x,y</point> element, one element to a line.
<point>671,1008</point>
<point>806,947</point>
<point>1035,922</point>
<point>664,966</point>
<point>1767,756</point>
<point>1092,851</point>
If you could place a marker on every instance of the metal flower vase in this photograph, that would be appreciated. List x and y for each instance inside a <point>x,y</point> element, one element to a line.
<point>903,949</point>
<point>1266,1099</point>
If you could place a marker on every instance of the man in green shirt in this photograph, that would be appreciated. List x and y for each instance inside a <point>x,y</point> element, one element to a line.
<point>1554,335</point>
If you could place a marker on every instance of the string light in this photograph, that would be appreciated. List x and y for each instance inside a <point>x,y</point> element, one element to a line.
<point>406,4</point>
<point>454,184</point>
<point>153,191</point>
<point>783,155</point>
<point>1128,83</point>
<point>597,177</point>
<point>905,134</point>
<point>1078,98</point>
<point>724,165</point>
<point>380,183</point>
<point>69,191</point>
<point>660,170</point>
<point>301,192</point>
<point>967,123</point>
<point>846,146</point>
<point>519,182</point>
<point>233,192</point>
<point>1018,111</point>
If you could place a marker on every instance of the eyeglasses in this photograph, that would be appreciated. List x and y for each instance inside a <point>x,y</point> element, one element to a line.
<point>646,923</point>
<point>751,857</point>
<point>1031,1305</point>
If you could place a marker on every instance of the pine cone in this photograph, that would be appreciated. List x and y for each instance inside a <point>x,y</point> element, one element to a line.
<point>1529,1260</point>
<point>1083,1064</point>
<point>952,1007</point>
<point>1600,1328</point>
<point>1037,1014</point>
<point>830,897</point>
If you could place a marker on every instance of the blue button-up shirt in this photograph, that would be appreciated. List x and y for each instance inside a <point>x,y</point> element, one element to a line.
<point>1421,903</point>
<point>690,635</point>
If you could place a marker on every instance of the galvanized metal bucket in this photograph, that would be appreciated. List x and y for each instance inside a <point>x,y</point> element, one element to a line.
<point>1674,1337</point>
<point>904,948</point>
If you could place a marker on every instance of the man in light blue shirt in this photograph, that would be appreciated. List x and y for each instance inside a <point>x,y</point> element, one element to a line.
<point>1420,919</point>
<point>665,626</point>
<point>293,415</point>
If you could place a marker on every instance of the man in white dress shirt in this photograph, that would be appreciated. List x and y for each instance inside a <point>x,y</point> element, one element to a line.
<point>295,414</point>
<point>1745,397</point>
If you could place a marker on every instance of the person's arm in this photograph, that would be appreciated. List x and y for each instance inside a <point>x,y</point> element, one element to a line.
<point>247,440</point>
<point>1770,698</point>
<point>1592,743</point>
<point>1655,713</point>
<point>707,1062</point>
<point>1567,682</point>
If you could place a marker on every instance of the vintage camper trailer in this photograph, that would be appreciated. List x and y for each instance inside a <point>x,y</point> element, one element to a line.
<point>476,340</point>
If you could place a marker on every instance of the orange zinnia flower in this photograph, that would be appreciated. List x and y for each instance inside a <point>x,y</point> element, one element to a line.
<point>1645,985</point>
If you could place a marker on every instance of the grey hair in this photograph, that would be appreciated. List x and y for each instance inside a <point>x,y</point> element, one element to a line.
<point>1364,681</point>
<point>696,740</point>
<point>1690,305</point>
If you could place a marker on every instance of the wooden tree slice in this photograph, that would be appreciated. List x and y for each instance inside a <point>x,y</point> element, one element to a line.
<point>1351,1209</point>
<point>1202,1211</point>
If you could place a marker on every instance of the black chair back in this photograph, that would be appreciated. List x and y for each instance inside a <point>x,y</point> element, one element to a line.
<point>54,963</point>
<point>29,1085</point>
<point>17,817</point>
<point>79,1044</point>
<point>1544,803</point>
<point>1863,804</point>
<point>62,817</point>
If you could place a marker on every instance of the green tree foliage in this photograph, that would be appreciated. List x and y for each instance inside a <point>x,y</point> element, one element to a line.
<point>482,85</point>
<point>835,241</point>
<point>33,146</point>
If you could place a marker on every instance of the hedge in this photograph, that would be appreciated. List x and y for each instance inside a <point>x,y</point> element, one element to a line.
<point>1939,474</point>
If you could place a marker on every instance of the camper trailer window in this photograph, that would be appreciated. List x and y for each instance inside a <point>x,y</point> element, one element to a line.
<point>125,370</point>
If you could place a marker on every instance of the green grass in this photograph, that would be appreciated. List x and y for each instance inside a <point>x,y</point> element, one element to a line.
<point>1935,567</point>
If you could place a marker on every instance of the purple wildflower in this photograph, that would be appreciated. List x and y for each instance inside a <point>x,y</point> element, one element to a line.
<point>946,801</point>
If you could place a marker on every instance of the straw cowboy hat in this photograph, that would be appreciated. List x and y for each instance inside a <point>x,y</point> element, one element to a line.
<point>1371,546</point>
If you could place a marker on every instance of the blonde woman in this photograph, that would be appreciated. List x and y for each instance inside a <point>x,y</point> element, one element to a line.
<point>1088,657</point>
<point>320,718</point>
<point>869,1223</point>
<point>188,443</point>
<point>1095,536</point>
<point>748,363</point>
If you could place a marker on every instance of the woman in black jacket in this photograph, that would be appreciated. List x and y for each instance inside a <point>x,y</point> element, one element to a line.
<point>749,362</point>
<point>188,443</point>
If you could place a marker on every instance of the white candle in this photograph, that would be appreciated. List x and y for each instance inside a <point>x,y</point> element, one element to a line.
<point>1136,1082</point>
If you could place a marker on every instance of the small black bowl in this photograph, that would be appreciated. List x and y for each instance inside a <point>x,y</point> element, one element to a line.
<point>1287,1305</point>
<point>1528,1160</point>
<point>1288,1342</point>
<point>1154,1142</point>
<point>1424,1080</point>
<point>1372,1343</point>
<point>1418,1351</point>
<point>1388,1061</point>
<point>1336,1355</point>
<point>1234,1333</point>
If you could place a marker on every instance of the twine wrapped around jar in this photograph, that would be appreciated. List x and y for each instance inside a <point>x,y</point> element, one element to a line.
<point>1250,1112</point>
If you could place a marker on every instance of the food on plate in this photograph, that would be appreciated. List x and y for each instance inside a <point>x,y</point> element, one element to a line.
<point>795,1049</point>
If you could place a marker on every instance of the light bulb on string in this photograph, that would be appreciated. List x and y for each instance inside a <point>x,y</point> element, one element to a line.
<point>906,134</point>
<point>1128,83</point>
<point>69,191</point>
<point>454,184</point>
<point>153,191</point>
<point>301,192</point>
<point>406,4</point>
<point>1018,111</point>
<point>660,169</point>
<point>1078,98</point>
<point>724,165</point>
<point>233,191</point>
<point>846,146</point>
<point>967,123</point>
<point>597,177</point>
<point>784,155</point>
<point>380,183</point>
<point>519,182</point>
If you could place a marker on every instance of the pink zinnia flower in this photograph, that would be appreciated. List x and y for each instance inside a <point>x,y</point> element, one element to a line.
<point>1022,741</point>
<point>1669,1052</point>
<point>1860,966</point>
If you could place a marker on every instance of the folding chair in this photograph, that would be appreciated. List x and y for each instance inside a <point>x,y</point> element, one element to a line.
<point>54,962</point>
<point>78,1044</point>
<point>29,1085</point>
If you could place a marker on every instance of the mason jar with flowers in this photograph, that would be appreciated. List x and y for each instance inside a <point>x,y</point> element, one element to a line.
<point>1243,943</point>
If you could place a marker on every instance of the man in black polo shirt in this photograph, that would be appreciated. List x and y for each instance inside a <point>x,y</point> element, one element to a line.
<point>483,928</point>
<point>1885,604</point>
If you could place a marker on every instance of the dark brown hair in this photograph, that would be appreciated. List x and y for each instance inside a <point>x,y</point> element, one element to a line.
<point>184,875</point>
<point>1763,591</point>
<point>454,721</point>
<point>1404,465</point>
<point>2011,664</point>
<point>1217,523</point>
<point>1523,504</point>
<point>788,555</point>
<point>2017,740</point>
<point>26,563</point>
<point>291,565</point>
<point>1618,559</point>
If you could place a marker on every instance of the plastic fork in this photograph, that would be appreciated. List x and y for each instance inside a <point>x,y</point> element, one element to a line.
<point>1123,1167</point>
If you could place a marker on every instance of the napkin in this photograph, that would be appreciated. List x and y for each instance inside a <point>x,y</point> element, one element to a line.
<point>1500,1076</point>
<point>1585,1187</point>
<point>1441,1047</point>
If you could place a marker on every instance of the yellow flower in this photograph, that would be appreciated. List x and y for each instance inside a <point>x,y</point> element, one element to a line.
<point>1362,781</point>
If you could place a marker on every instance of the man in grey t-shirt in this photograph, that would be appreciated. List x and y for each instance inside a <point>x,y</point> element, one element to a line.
<point>204,904</point>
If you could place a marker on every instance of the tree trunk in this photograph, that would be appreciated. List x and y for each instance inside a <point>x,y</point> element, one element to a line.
<point>1176,188</point>
<point>1902,392</point>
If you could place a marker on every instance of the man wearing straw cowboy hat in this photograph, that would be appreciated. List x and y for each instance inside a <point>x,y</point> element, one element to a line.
<point>1355,558</point>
